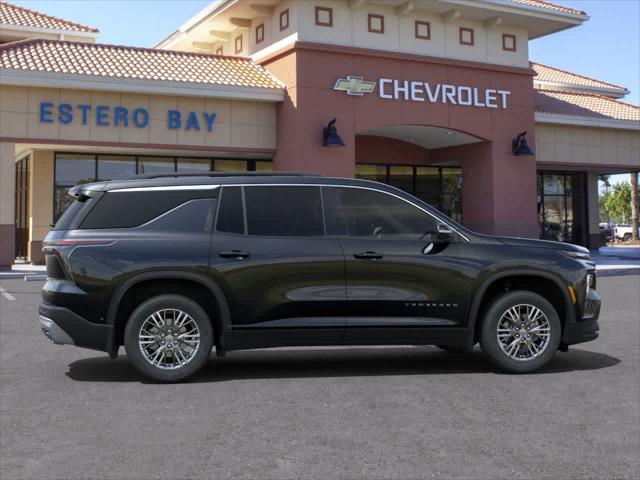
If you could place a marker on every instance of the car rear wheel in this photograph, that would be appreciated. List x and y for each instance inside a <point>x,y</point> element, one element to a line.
<point>520,332</point>
<point>168,338</point>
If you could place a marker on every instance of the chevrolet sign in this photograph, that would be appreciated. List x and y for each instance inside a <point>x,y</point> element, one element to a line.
<point>419,91</point>
<point>354,85</point>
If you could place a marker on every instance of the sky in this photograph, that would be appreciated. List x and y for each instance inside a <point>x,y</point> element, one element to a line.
<point>606,47</point>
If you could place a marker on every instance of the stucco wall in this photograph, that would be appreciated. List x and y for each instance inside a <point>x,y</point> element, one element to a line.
<point>40,201</point>
<point>238,124</point>
<point>7,202</point>
<point>586,146</point>
<point>350,28</point>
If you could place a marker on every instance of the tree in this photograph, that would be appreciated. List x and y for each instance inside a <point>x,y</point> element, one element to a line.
<point>634,205</point>
<point>603,213</point>
<point>619,203</point>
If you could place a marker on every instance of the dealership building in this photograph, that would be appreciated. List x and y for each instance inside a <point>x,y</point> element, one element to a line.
<point>428,96</point>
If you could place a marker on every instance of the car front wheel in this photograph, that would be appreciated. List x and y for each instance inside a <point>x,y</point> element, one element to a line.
<point>520,332</point>
<point>168,338</point>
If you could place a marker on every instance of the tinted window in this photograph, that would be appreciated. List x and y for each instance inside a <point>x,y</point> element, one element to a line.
<point>68,218</point>
<point>284,211</point>
<point>365,213</point>
<point>230,213</point>
<point>190,217</point>
<point>131,209</point>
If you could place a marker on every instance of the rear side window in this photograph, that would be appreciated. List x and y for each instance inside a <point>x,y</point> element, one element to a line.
<point>73,211</point>
<point>230,213</point>
<point>287,211</point>
<point>131,209</point>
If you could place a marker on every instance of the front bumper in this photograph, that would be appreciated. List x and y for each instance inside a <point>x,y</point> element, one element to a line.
<point>586,328</point>
<point>63,327</point>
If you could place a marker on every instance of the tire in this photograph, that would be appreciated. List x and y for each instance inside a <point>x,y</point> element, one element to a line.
<point>177,353</point>
<point>546,339</point>
<point>626,237</point>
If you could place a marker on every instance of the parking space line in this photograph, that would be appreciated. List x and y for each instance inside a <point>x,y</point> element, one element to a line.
<point>6,294</point>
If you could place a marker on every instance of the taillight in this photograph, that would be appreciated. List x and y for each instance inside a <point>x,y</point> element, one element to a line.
<point>73,243</point>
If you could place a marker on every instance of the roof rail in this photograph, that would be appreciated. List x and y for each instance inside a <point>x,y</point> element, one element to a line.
<point>219,174</point>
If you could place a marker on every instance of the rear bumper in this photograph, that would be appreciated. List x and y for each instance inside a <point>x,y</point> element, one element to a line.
<point>63,327</point>
<point>586,328</point>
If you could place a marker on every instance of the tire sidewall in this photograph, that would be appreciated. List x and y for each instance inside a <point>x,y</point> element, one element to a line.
<point>489,341</point>
<point>142,312</point>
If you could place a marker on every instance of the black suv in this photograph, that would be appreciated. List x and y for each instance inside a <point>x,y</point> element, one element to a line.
<point>170,266</point>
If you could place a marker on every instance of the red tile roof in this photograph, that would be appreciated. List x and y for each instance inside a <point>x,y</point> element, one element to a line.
<point>550,6</point>
<point>556,75</point>
<point>585,105</point>
<point>113,61</point>
<point>14,15</point>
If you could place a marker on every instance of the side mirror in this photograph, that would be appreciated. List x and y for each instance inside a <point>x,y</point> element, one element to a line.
<point>439,237</point>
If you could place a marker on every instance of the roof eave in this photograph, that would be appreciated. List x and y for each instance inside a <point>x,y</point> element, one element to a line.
<point>584,89</point>
<point>51,31</point>
<point>29,78</point>
<point>596,122</point>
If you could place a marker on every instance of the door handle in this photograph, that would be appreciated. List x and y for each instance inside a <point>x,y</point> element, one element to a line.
<point>239,254</point>
<point>368,255</point>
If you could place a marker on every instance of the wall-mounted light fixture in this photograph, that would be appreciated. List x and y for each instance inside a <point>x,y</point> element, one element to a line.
<point>330,137</point>
<point>519,145</point>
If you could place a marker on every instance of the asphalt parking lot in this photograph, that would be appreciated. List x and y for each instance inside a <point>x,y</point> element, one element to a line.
<point>321,413</point>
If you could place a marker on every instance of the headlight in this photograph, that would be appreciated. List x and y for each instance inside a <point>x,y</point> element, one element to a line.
<point>577,254</point>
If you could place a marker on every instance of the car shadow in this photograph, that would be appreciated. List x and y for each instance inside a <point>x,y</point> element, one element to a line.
<point>333,362</point>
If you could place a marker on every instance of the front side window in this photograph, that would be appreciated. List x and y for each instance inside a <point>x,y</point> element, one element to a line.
<point>357,212</point>
<point>284,211</point>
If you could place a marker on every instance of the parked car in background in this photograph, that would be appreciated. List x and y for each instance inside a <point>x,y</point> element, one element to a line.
<point>606,231</point>
<point>171,265</point>
<point>624,231</point>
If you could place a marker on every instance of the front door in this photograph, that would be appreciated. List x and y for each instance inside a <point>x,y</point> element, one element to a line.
<point>404,284</point>
<point>22,209</point>
<point>284,276</point>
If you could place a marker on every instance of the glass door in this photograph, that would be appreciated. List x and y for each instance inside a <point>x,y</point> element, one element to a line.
<point>22,209</point>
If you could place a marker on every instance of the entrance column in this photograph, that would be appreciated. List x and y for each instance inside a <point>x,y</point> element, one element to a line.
<point>7,203</point>
<point>499,191</point>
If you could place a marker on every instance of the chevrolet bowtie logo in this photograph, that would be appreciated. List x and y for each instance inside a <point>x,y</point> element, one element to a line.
<point>354,85</point>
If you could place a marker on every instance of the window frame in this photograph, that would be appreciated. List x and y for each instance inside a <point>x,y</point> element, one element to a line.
<point>422,23</point>
<point>284,15</point>
<point>470,31</point>
<point>370,28</point>
<point>450,223</point>
<point>327,10</point>
<point>512,37</point>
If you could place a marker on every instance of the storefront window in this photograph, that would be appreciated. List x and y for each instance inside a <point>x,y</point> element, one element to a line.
<point>70,170</point>
<point>440,187</point>
<point>265,166</point>
<point>376,173</point>
<point>73,168</point>
<point>194,164</point>
<point>115,166</point>
<point>555,207</point>
<point>230,165</point>
<point>150,165</point>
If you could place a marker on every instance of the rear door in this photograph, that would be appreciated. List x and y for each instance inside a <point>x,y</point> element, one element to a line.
<point>401,285</point>
<point>284,276</point>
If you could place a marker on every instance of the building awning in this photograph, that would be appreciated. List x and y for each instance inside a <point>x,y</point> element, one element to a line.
<point>64,64</point>
<point>554,78</point>
<point>585,109</point>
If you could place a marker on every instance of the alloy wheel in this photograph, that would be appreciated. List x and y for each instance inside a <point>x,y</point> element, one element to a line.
<point>523,332</point>
<point>169,339</point>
